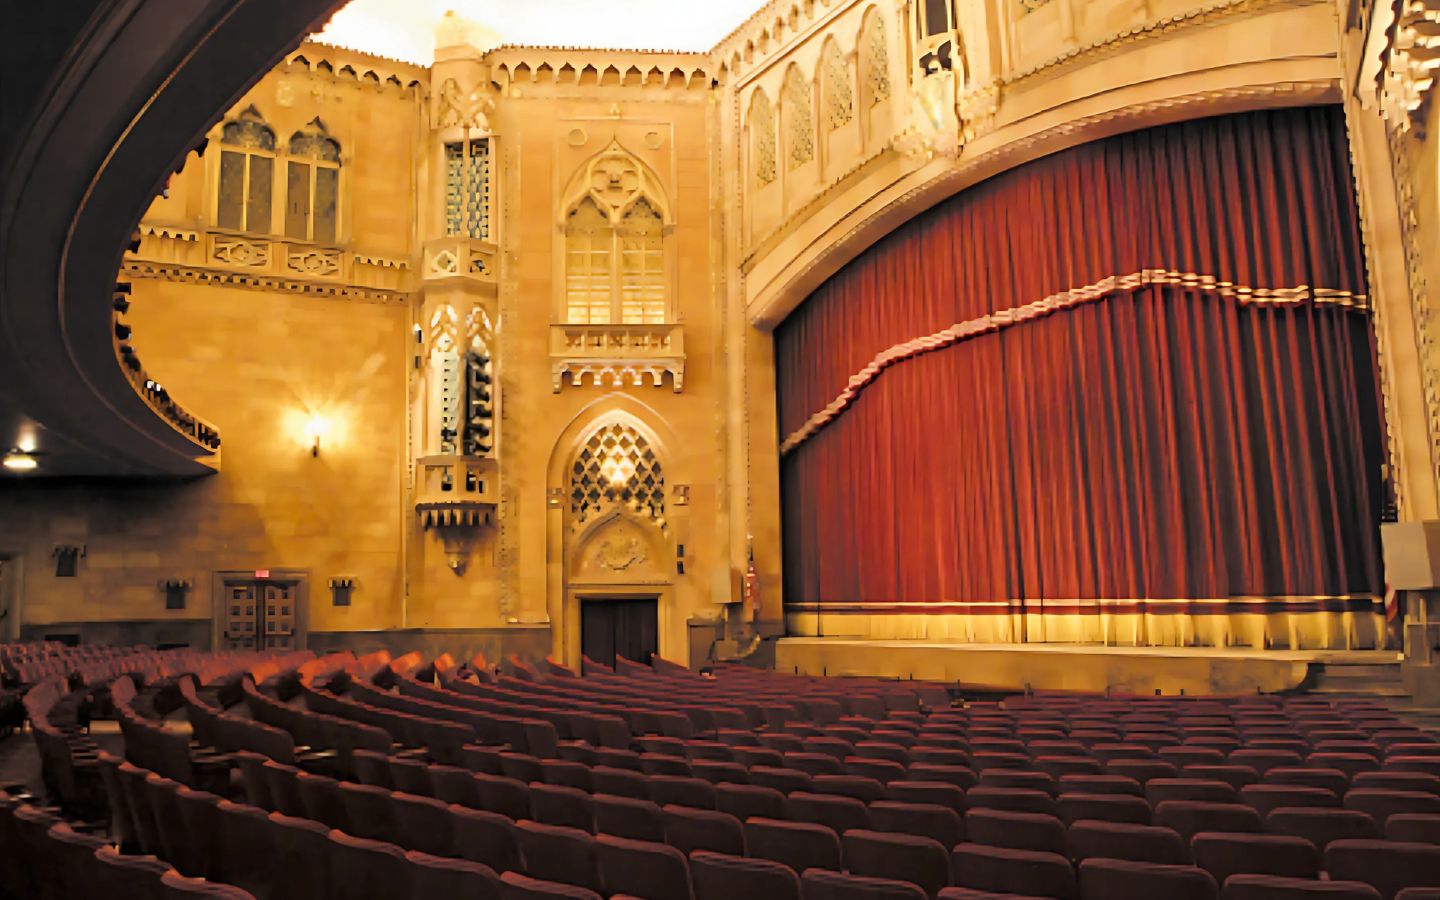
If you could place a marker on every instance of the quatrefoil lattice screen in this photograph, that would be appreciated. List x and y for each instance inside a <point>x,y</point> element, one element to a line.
<point>617,466</point>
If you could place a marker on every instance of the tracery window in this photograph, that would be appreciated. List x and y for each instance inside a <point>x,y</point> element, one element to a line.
<point>615,255</point>
<point>617,465</point>
<point>762,135</point>
<point>875,76</point>
<point>247,174</point>
<point>800,132</point>
<point>312,185</point>
<point>467,189</point>
<point>835,82</point>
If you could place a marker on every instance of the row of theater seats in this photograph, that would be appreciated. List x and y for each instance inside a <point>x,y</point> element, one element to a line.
<point>999,754</point>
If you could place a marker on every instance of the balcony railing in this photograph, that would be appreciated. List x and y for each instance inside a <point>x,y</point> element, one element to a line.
<point>617,355</point>
<point>456,491</point>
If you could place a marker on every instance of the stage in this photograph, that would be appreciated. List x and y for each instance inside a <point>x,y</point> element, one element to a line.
<point>1079,667</point>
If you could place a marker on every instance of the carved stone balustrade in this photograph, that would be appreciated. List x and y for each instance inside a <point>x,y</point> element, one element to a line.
<point>208,256</point>
<point>617,355</point>
<point>456,496</point>
<point>473,264</point>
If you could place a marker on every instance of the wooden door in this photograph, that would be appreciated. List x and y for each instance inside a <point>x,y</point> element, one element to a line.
<point>627,627</point>
<point>259,615</point>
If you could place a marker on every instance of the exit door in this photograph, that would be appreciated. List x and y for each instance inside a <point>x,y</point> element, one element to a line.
<point>260,615</point>
<point>611,628</point>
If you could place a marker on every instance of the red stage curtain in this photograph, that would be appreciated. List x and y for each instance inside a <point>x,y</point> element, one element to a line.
<point>1165,442</point>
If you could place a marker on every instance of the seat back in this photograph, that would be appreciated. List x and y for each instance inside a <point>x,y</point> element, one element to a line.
<point>689,829</point>
<point>799,845</point>
<point>486,837</point>
<point>628,817</point>
<point>819,884</point>
<point>1001,870</point>
<point>1223,855</point>
<point>1123,840</point>
<point>557,853</point>
<point>1126,878</point>
<point>904,857</point>
<point>643,868</point>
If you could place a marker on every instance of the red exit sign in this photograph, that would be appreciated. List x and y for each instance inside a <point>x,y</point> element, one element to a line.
<point>262,573</point>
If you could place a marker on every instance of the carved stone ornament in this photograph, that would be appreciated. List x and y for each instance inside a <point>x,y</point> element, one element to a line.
<point>464,110</point>
<point>620,555</point>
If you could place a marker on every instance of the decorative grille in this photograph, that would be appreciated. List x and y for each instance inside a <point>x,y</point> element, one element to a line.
<point>617,466</point>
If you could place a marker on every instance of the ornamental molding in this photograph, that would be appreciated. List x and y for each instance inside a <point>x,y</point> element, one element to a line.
<point>171,232</point>
<point>1162,27</point>
<point>180,274</point>
<point>1104,289</point>
<point>864,220</point>
<point>514,66</point>
<point>341,64</point>
<point>1402,53</point>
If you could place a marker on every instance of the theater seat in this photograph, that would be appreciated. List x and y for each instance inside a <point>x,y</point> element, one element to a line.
<point>628,817</point>
<point>643,868</point>
<point>1415,827</point>
<point>440,877</point>
<point>1016,830</point>
<point>745,800</point>
<point>556,853</point>
<point>1189,817</point>
<point>1223,855</point>
<point>1104,879</point>
<point>566,806</point>
<point>1123,840</point>
<point>717,876</point>
<point>837,813</point>
<point>1387,866</point>
<point>1270,887</point>
<point>132,877</point>
<point>1073,808</point>
<point>514,886</point>
<point>799,845</point>
<point>941,793</point>
<point>940,823</point>
<point>1321,825</point>
<point>486,837</point>
<point>903,857</point>
<point>1264,798</point>
<point>362,869</point>
<point>1028,872</point>
<point>175,886</point>
<point>688,829</point>
<point>819,884</point>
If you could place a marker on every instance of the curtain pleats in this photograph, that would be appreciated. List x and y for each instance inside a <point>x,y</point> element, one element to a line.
<point>1162,442</point>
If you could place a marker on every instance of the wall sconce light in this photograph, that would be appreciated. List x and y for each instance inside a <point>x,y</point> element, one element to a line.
<point>316,427</point>
<point>174,590</point>
<point>18,460</point>
<point>67,558</point>
<point>340,591</point>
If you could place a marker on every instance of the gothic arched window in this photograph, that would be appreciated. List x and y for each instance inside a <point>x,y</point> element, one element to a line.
<point>312,185</point>
<point>874,60</point>
<point>247,174</point>
<point>839,96</point>
<point>762,138</point>
<point>799,118</point>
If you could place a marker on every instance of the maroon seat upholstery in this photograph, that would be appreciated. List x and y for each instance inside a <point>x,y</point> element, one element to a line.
<point>363,869</point>
<point>783,779</point>
<point>1104,878</point>
<point>799,845</point>
<point>1266,797</point>
<point>503,795</point>
<point>819,884</point>
<point>671,789</point>
<point>902,857</point>
<point>423,824</point>
<point>620,782</point>
<point>1398,781</point>
<point>1014,799</point>
<point>688,829</point>
<point>557,853</point>
<point>453,784</point>
<point>1237,775</point>
<point>514,886</point>
<point>1189,817</point>
<point>643,868</point>
<point>997,869</point>
<point>1333,780</point>
<point>1223,855</point>
<point>1271,887</point>
<point>1321,825</point>
<point>486,837</point>
<point>568,774</point>
<point>1100,784</point>
<point>745,800</point>
<point>628,817</point>
<point>368,811</point>
<point>940,823</point>
<point>175,886</point>
<point>1418,828</point>
<point>570,807</point>
<point>1016,778</point>
<point>1387,866</point>
<point>323,802</point>
<point>1016,830</point>
<point>411,776</point>
<point>1123,840</point>
<point>835,812</point>
<point>299,848</point>
<point>132,877</point>
<point>1382,804</point>
<point>960,776</point>
<point>1103,807</point>
<point>1142,770</point>
<point>941,793</point>
<point>438,876</point>
<point>716,876</point>
<point>1158,790</point>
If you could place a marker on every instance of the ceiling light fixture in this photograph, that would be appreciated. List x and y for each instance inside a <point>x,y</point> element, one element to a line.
<point>18,461</point>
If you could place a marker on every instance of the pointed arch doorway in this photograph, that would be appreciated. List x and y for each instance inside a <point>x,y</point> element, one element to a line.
<point>614,575</point>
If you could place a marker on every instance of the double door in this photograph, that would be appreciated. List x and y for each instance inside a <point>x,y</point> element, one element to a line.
<point>260,615</point>
<point>619,627</point>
